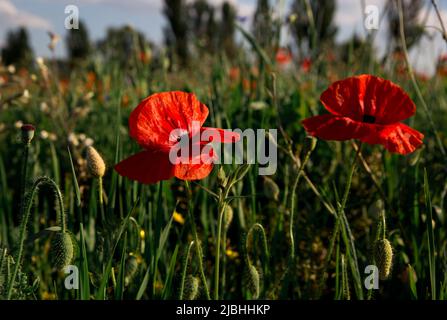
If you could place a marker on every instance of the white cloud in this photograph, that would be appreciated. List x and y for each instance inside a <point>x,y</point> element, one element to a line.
<point>425,55</point>
<point>12,17</point>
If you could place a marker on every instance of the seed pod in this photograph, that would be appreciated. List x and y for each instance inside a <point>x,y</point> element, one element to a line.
<point>383,254</point>
<point>271,189</point>
<point>63,249</point>
<point>191,291</point>
<point>228,216</point>
<point>95,163</point>
<point>27,133</point>
<point>253,281</point>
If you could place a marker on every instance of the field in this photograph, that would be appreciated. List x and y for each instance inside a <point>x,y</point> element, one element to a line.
<point>312,230</point>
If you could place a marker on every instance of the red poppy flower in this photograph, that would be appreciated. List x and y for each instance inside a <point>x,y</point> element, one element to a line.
<point>367,108</point>
<point>283,56</point>
<point>158,124</point>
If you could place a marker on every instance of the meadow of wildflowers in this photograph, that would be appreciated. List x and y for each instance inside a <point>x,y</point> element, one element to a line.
<point>113,184</point>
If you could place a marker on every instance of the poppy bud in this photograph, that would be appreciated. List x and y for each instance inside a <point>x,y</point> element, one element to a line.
<point>253,281</point>
<point>95,163</point>
<point>27,133</point>
<point>228,216</point>
<point>271,189</point>
<point>383,254</point>
<point>221,178</point>
<point>63,249</point>
<point>191,288</point>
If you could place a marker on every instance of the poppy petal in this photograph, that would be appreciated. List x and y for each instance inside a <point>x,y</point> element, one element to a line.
<point>146,167</point>
<point>193,171</point>
<point>331,127</point>
<point>386,101</point>
<point>399,138</point>
<point>343,97</point>
<point>367,95</point>
<point>226,136</point>
<point>156,117</point>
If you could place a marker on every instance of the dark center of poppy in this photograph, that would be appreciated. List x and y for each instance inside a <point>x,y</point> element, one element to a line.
<point>369,119</point>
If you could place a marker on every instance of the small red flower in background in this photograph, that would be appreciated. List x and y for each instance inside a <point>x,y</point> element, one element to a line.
<point>234,73</point>
<point>283,56</point>
<point>158,123</point>
<point>441,68</point>
<point>367,108</point>
<point>306,65</point>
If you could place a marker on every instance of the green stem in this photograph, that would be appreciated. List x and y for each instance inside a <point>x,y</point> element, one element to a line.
<point>26,214</point>
<point>383,225</point>
<point>293,204</point>
<point>349,181</point>
<point>197,244</point>
<point>329,255</point>
<point>219,236</point>
<point>101,200</point>
<point>347,234</point>
<point>185,267</point>
<point>24,176</point>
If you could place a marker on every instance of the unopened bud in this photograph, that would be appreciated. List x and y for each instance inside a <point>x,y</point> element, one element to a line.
<point>228,216</point>
<point>63,249</point>
<point>95,163</point>
<point>271,189</point>
<point>27,133</point>
<point>221,178</point>
<point>253,281</point>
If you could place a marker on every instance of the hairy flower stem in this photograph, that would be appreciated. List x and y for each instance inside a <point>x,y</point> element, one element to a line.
<point>101,199</point>
<point>380,235</point>
<point>332,242</point>
<point>198,247</point>
<point>340,219</point>
<point>223,195</point>
<point>346,230</point>
<point>26,214</point>
<point>24,176</point>
<point>185,268</point>
<point>221,206</point>
<point>368,170</point>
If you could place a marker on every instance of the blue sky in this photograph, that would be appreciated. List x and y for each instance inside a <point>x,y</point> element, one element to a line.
<point>43,15</point>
